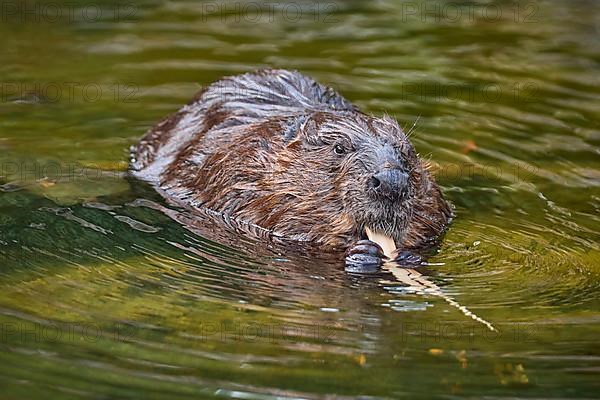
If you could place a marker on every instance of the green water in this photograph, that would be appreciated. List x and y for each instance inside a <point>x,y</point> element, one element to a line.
<point>105,295</point>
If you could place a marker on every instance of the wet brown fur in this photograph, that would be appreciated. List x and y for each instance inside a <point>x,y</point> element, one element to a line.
<point>258,147</point>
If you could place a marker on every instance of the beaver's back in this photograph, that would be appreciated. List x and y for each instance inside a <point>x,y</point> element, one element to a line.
<point>219,114</point>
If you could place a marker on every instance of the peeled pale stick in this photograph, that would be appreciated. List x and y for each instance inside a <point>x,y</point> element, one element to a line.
<point>384,241</point>
<point>413,278</point>
<point>416,280</point>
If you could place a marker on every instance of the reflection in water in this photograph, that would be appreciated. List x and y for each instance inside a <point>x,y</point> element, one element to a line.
<point>106,291</point>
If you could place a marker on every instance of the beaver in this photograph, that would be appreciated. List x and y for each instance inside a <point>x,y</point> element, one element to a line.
<point>279,150</point>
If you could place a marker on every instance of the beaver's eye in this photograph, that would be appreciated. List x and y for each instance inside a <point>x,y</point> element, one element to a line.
<point>339,149</point>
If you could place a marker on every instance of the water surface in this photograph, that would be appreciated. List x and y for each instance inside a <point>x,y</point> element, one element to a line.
<point>105,293</point>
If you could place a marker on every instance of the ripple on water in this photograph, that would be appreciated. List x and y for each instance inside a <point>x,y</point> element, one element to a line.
<point>114,294</point>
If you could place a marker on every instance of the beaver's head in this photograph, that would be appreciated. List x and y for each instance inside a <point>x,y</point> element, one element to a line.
<point>369,176</point>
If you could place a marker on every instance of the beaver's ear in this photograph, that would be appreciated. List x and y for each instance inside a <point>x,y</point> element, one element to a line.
<point>310,133</point>
<point>292,127</point>
<point>301,128</point>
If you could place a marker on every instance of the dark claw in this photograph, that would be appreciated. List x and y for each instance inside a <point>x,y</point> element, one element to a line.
<point>364,257</point>
<point>407,259</point>
<point>366,247</point>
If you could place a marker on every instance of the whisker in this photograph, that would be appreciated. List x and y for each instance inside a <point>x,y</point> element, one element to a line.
<point>413,127</point>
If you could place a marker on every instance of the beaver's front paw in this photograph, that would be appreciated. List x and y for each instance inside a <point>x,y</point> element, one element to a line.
<point>364,257</point>
<point>406,259</point>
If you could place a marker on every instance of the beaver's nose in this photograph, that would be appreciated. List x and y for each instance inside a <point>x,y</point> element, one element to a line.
<point>392,183</point>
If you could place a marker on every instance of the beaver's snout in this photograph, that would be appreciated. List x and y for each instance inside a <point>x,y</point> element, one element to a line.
<point>389,183</point>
